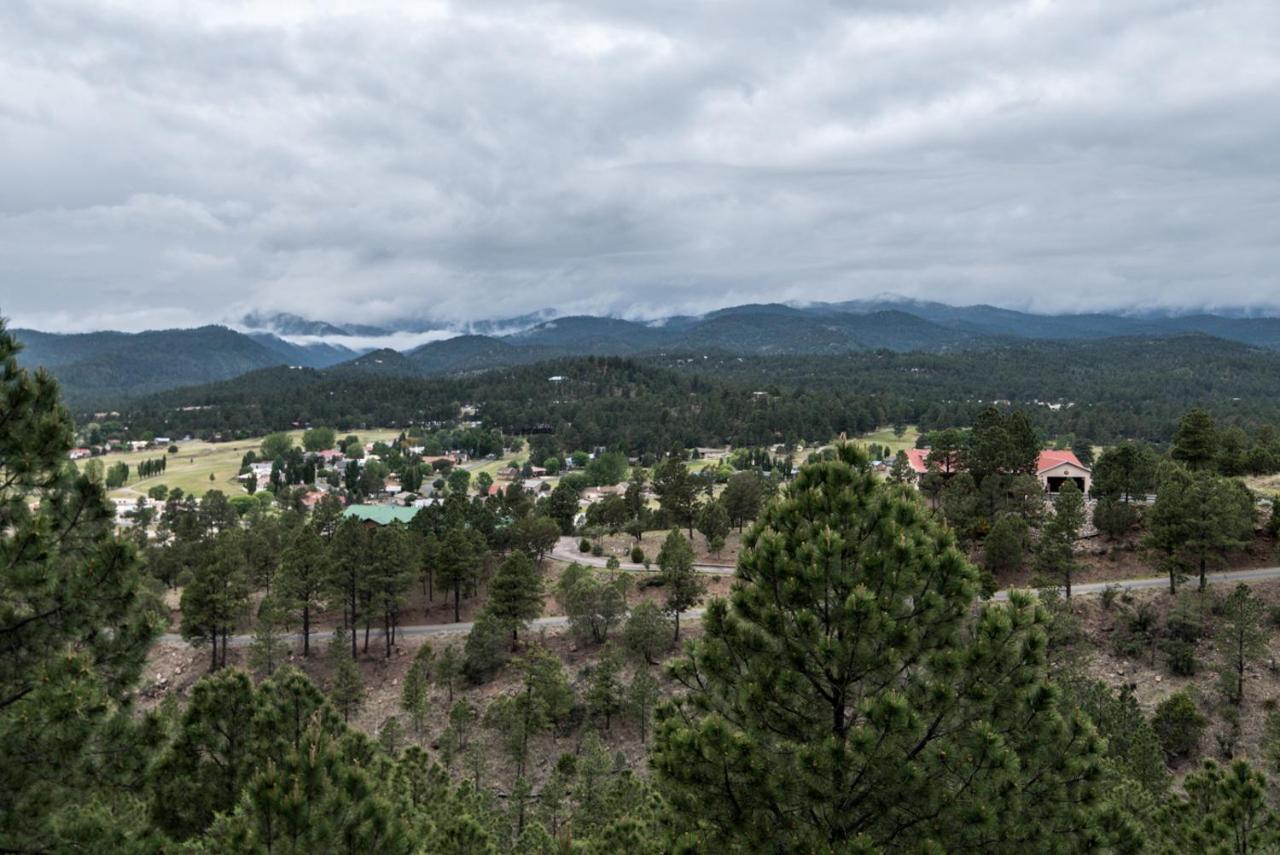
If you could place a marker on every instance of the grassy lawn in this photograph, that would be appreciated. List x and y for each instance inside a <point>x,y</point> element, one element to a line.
<point>195,461</point>
<point>475,467</point>
<point>885,436</point>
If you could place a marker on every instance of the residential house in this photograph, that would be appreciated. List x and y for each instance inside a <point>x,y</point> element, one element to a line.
<point>591,495</point>
<point>432,460</point>
<point>312,498</point>
<point>1053,468</point>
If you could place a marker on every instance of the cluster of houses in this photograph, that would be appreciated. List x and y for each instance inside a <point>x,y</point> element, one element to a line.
<point>337,460</point>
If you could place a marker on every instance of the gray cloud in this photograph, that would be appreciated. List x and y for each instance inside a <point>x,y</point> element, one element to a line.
<point>183,163</point>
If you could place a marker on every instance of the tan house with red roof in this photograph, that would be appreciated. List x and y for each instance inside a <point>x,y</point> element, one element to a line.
<point>1053,468</point>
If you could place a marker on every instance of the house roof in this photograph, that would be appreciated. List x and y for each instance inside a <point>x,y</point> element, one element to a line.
<point>381,514</point>
<point>1052,458</point>
<point>918,458</point>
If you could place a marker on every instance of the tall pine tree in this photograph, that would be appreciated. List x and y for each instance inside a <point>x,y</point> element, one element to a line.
<point>74,628</point>
<point>847,697</point>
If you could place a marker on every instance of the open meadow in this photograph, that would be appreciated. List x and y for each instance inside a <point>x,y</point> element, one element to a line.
<point>886,436</point>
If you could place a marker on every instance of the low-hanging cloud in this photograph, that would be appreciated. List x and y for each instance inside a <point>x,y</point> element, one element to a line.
<point>173,164</point>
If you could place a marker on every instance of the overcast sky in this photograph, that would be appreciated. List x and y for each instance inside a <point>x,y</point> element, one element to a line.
<point>174,163</point>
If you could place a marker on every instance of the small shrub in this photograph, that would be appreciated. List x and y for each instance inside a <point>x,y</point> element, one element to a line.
<point>1137,634</point>
<point>613,563</point>
<point>1273,615</point>
<point>1181,656</point>
<point>1005,544</point>
<point>486,649</point>
<point>1184,622</point>
<point>1114,518</point>
<point>637,555</point>
<point>597,549</point>
<point>1178,725</point>
<point>1109,595</point>
<point>584,545</point>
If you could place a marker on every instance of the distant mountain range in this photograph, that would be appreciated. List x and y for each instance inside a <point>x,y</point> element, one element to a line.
<point>102,367</point>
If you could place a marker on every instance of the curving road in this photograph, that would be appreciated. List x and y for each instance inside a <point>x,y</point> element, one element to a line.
<point>1083,589</point>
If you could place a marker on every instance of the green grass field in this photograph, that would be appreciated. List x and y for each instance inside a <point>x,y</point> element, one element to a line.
<point>195,461</point>
<point>492,466</point>
<point>885,436</point>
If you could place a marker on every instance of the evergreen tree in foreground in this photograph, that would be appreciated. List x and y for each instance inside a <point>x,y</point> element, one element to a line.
<point>74,628</point>
<point>846,697</point>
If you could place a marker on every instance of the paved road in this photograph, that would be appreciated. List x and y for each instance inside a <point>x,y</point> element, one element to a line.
<point>1085,589</point>
<point>1232,577</point>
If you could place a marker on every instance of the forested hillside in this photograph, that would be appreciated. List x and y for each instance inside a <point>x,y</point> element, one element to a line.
<point>101,370</point>
<point>107,368</point>
<point>1102,390</point>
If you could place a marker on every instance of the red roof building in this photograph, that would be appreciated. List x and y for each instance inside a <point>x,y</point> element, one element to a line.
<point>1053,468</point>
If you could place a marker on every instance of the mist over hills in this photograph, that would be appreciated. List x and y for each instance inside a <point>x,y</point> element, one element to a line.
<point>103,367</point>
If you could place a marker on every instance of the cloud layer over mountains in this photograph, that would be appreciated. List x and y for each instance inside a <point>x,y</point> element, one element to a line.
<point>175,164</point>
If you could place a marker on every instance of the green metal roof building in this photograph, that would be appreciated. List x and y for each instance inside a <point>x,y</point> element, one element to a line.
<point>381,514</point>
